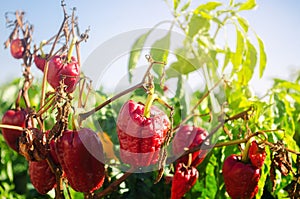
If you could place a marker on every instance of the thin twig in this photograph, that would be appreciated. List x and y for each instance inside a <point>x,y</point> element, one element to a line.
<point>83,116</point>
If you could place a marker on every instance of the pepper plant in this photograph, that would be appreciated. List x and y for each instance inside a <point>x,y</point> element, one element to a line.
<point>219,140</point>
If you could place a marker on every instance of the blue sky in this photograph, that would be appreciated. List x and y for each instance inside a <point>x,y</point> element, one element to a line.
<point>277,22</point>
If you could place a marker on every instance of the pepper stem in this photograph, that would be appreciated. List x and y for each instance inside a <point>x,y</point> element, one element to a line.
<point>245,157</point>
<point>75,123</point>
<point>71,49</point>
<point>149,101</point>
<point>41,48</point>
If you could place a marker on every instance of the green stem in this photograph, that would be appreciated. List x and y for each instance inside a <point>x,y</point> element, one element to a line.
<point>41,48</point>
<point>149,101</point>
<point>71,49</point>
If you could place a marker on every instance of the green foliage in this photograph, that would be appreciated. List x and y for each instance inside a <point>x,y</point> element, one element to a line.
<point>279,109</point>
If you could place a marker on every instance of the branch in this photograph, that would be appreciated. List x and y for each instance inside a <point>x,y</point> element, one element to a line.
<point>112,187</point>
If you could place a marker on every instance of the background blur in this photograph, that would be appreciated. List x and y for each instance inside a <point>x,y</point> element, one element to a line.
<point>276,22</point>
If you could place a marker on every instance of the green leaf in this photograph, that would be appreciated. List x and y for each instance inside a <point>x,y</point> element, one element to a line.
<point>249,64</point>
<point>227,55</point>
<point>237,57</point>
<point>181,67</point>
<point>289,85</point>
<point>185,6</point>
<point>136,52</point>
<point>206,15</point>
<point>243,23</point>
<point>262,57</point>
<point>248,5</point>
<point>181,95</point>
<point>10,171</point>
<point>175,4</point>
<point>185,64</point>
<point>160,51</point>
<point>207,6</point>
<point>196,24</point>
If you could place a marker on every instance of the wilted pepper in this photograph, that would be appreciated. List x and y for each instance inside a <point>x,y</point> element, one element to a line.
<point>141,137</point>
<point>241,179</point>
<point>40,173</point>
<point>184,179</point>
<point>188,137</point>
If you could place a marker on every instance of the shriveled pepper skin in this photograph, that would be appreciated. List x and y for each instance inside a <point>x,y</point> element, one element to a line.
<point>188,137</point>
<point>256,155</point>
<point>140,137</point>
<point>41,176</point>
<point>40,173</point>
<point>184,179</point>
<point>241,180</point>
<point>83,168</point>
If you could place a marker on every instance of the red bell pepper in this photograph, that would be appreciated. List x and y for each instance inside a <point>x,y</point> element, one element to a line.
<point>188,137</point>
<point>257,155</point>
<point>184,179</point>
<point>241,179</point>
<point>141,137</point>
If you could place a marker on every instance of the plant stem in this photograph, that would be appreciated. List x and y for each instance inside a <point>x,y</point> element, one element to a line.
<point>83,116</point>
<point>245,157</point>
<point>71,49</point>
<point>149,101</point>
<point>114,185</point>
<point>44,83</point>
<point>12,127</point>
<point>41,49</point>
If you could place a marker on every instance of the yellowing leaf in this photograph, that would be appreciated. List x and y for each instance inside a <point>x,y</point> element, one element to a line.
<point>248,5</point>
<point>108,146</point>
<point>262,57</point>
<point>208,6</point>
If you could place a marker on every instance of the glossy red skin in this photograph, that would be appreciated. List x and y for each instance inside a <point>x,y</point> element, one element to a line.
<point>140,137</point>
<point>41,176</point>
<point>241,180</point>
<point>17,48</point>
<point>84,172</point>
<point>16,118</point>
<point>256,155</point>
<point>184,179</point>
<point>188,137</point>
<point>57,69</point>
<point>39,62</point>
